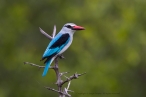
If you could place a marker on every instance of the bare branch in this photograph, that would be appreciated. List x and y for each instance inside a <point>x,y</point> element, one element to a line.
<point>66,90</point>
<point>61,74</point>
<point>32,64</point>
<point>54,31</point>
<point>70,91</point>
<point>68,85</point>
<point>75,76</point>
<point>81,74</point>
<point>44,33</point>
<point>57,91</point>
<point>53,90</point>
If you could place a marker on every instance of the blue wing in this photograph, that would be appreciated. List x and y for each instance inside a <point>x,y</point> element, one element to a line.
<point>56,45</point>
<point>49,51</point>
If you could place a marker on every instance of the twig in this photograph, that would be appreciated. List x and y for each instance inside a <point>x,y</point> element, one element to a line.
<point>68,85</point>
<point>75,76</point>
<point>53,90</point>
<point>66,89</point>
<point>44,33</point>
<point>61,74</point>
<point>54,31</point>
<point>57,91</point>
<point>32,64</point>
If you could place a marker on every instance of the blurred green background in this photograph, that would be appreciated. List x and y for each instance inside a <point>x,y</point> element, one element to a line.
<point>112,49</point>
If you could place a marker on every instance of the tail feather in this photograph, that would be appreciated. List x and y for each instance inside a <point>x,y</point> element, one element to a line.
<point>48,63</point>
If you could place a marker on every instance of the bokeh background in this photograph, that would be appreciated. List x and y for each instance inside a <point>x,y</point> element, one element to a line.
<point>112,49</point>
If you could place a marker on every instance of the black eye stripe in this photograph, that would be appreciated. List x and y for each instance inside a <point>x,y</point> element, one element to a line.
<point>68,26</point>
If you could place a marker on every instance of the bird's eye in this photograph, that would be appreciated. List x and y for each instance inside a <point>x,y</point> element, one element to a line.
<point>68,26</point>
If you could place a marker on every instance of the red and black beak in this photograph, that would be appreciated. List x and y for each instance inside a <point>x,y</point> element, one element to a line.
<point>77,28</point>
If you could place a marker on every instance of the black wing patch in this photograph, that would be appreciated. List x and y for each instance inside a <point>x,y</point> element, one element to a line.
<point>48,57</point>
<point>61,41</point>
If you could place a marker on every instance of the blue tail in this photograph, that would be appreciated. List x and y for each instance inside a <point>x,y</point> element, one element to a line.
<point>48,63</point>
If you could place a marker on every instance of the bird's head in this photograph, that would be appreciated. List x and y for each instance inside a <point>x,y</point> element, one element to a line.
<point>71,27</point>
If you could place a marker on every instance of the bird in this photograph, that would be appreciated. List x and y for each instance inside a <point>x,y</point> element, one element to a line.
<point>59,44</point>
